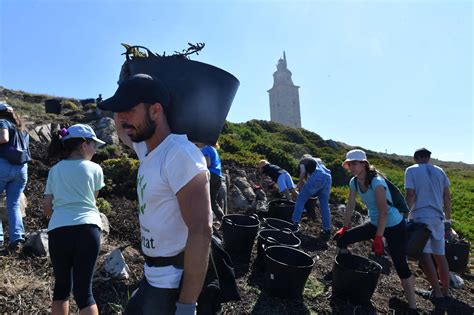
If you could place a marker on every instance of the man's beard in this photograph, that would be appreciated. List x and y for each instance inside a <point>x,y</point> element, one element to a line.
<point>146,131</point>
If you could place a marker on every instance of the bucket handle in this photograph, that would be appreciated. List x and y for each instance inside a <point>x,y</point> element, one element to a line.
<point>287,231</point>
<point>228,221</point>
<point>255,216</point>
<point>271,240</point>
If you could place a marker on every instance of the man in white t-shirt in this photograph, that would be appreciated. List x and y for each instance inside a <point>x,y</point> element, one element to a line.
<point>429,199</point>
<point>173,196</point>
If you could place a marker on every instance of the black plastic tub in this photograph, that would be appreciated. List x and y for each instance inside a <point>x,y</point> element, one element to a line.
<point>457,254</point>
<point>281,209</point>
<point>239,232</point>
<point>281,225</point>
<point>53,106</point>
<point>354,278</point>
<point>270,237</point>
<point>286,271</point>
<point>201,94</point>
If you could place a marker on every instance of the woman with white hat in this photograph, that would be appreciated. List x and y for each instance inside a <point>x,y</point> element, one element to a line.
<point>75,225</point>
<point>385,221</point>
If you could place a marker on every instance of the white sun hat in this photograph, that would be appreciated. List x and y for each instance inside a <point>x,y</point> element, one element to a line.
<point>354,155</point>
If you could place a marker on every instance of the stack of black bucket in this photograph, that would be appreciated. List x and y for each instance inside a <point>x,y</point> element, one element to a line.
<point>285,267</point>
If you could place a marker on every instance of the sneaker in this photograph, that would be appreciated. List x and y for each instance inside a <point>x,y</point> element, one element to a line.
<point>441,303</point>
<point>16,246</point>
<point>325,235</point>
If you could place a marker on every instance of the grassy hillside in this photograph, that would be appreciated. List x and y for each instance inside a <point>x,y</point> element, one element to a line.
<point>247,143</point>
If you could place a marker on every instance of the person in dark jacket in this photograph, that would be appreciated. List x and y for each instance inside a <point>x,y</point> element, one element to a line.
<point>13,177</point>
<point>279,176</point>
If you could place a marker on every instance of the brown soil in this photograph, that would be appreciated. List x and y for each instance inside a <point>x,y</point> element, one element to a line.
<point>26,282</point>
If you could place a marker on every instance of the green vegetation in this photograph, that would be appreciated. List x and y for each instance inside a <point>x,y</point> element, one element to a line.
<point>247,143</point>
<point>313,287</point>
<point>121,177</point>
<point>103,206</point>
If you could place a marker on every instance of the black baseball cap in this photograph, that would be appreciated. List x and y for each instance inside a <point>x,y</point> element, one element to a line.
<point>422,152</point>
<point>136,89</point>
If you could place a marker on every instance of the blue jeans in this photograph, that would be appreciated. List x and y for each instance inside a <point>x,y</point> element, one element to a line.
<point>148,300</point>
<point>318,184</point>
<point>13,180</point>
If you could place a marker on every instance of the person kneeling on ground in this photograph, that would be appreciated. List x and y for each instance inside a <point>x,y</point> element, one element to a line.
<point>385,221</point>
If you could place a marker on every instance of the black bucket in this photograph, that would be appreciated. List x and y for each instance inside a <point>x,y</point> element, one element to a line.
<point>281,225</point>
<point>201,94</point>
<point>239,233</point>
<point>286,271</point>
<point>310,207</point>
<point>281,209</point>
<point>354,278</point>
<point>270,237</point>
<point>417,236</point>
<point>457,254</point>
<point>52,106</point>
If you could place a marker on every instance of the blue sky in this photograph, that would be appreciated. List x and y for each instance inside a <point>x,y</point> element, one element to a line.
<point>385,75</point>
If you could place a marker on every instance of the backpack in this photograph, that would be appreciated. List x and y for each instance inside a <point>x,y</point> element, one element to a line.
<point>397,197</point>
<point>16,151</point>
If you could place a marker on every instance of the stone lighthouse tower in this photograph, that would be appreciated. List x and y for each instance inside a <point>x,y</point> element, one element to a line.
<point>284,97</point>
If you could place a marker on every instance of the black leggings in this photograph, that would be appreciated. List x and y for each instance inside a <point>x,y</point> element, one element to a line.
<point>396,237</point>
<point>74,250</point>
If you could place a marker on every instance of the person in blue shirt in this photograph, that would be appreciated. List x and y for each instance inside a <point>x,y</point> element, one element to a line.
<point>314,180</point>
<point>214,166</point>
<point>75,225</point>
<point>385,221</point>
<point>13,177</point>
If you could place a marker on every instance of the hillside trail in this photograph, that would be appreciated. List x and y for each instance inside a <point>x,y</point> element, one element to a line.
<point>26,282</point>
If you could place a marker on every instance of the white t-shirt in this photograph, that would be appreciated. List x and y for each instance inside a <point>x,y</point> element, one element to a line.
<point>73,184</point>
<point>162,173</point>
<point>429,182</point>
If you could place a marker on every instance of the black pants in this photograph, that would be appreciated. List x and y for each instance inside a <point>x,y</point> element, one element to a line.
<point>74,250</point>
<point>215,184</point>
<point>148,300</point>
<point>396,237</point>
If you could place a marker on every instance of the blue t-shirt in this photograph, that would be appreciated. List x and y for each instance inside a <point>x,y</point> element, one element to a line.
<point>213,156</point>
<point>394,217</point>
<point>73,184</point>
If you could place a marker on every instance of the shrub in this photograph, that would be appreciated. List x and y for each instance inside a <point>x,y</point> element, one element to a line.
<point>68,104</point>
<point>103,206</point>
<point>120,176</point>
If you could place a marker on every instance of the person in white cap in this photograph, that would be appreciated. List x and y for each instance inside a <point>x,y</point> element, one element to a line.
<point>75,225</point>
<point>429,199</point>
<point>14,155</point>
<point>385,221</point>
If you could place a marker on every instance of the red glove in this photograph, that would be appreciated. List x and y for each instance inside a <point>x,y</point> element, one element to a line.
<point>340,232</point>
<point>377,246</point>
